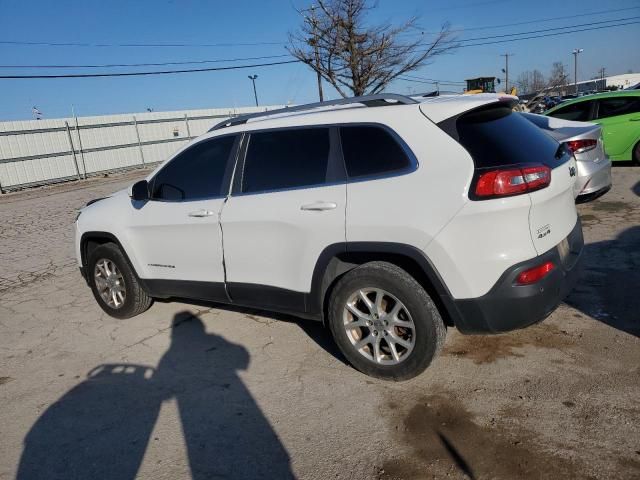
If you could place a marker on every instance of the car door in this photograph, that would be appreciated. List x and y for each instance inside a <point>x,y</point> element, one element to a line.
<point>620,120</point>
<point>176,233</point>
<point>287,206</point>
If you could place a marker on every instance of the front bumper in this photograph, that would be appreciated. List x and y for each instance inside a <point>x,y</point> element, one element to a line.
<point>508,306</point>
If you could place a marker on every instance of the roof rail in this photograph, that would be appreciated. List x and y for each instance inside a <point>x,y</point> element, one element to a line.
<point>378,100</point>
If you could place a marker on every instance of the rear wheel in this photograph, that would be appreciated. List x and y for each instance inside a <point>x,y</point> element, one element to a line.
<point>384,322</point>
<point>635,155</point>
<point>113,283</point>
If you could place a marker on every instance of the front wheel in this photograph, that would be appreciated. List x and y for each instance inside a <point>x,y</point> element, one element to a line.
<point>113,283</point>
<point>384,322</point>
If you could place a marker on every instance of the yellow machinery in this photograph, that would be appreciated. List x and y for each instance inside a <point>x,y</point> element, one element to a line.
<point>484,85</point>
<point>481,85</point>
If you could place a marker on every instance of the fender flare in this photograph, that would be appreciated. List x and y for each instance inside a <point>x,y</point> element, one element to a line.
<point>327,270</point>
<point>87,236</point>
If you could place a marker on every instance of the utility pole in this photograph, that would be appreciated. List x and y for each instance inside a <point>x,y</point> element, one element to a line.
<point>313,41</point>
<point>255,93</point>
<point>506,70</point>
<point>603,85</point>
<point>576,52</point>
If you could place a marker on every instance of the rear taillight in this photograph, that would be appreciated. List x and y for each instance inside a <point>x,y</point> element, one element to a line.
<point>579,146</point>
<point>511,181</point>
<point>535,274</point>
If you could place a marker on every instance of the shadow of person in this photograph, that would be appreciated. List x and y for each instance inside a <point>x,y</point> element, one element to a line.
<point>101,428</point>
<point>607,290</point>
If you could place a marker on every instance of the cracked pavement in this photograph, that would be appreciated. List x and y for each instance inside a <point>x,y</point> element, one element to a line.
<point>205,391</point>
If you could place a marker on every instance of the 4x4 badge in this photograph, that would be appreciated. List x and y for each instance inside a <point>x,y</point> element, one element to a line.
<point>572,171</point>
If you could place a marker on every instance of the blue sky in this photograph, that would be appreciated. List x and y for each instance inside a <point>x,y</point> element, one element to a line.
<point>243,21</point>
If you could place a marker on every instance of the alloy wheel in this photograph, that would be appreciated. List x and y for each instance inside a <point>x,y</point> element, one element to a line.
<point>109,283</point>
<point>379,326</point>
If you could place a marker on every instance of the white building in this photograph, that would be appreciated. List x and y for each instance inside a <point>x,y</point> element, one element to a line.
<point>623,81</point>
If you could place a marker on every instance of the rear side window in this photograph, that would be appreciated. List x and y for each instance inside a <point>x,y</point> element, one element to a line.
<point>371,150</point>
<point>495,136</point>
<point>579,112</point>
<point>286,159</point>
<point>612,107</point>
<point>196,173</point>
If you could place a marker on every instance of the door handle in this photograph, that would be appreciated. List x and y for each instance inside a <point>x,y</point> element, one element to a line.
<point>319,206</point>
<point>201,213</point>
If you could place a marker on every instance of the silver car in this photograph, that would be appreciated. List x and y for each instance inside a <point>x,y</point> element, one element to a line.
<point>585,141</point>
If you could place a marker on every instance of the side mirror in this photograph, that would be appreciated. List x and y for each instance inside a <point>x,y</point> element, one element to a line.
<point>140,191</point>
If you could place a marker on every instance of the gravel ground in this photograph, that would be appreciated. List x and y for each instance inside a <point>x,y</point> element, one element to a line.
<point>204,391</point>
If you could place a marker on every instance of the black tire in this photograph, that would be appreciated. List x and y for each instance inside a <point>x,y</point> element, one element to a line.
<point>635,154</point>
<point>136,299</point>
<point>430,330</point>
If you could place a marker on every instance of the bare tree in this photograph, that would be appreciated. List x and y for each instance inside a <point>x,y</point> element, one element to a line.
<point>558,78</point>
<point>537,81</point>
<point>359,58</point>
<point>531,81</point>
<point>523,82</point>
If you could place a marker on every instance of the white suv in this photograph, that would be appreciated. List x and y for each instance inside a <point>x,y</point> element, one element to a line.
<point>386,217</point>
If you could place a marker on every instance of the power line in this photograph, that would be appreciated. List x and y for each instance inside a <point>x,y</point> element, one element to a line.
<point>115,65</point>
<point>548,19</point>
<point>433,80</point>
<point>135,45</point>
<point>549,34</point>
<point>253,44</point>
<point>123,74</point>
<point>504,35</point>
<point>133,74</point>
<point>187,62</point>
<point>542,30</point>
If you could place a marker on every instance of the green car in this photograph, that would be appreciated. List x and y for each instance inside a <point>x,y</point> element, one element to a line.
<point>619,115</point>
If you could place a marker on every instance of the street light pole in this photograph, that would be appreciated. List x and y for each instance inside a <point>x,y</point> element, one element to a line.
<point>576,51</point>
<point>255,93</point>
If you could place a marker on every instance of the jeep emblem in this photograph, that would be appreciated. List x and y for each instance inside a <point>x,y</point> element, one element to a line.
<point>572,171</point>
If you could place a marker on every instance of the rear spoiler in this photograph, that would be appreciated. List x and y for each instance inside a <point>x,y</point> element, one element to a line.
<point>502,103</point>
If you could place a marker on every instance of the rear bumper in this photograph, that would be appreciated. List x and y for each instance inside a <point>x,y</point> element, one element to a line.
<point>508,306</point>
<point>594,179</point>
<point>590,197</point>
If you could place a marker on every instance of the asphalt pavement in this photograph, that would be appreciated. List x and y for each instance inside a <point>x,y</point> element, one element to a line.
<point>206,391</point>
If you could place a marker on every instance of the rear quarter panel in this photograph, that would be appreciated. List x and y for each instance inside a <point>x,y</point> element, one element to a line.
<point>411,208</point>
<point>481,242</point>
<point>620,134</point>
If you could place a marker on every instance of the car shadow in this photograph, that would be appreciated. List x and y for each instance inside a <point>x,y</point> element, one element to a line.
<point>102,427</point>
<point>607,290</point>
<point>636,188</point>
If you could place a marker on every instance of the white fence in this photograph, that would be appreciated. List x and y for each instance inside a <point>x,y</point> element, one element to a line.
<point>38,152</point>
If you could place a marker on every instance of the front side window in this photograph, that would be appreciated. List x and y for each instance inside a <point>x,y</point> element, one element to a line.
<point>579,112</point>
<point>613,107</point>
<point>196,173</point>
<point>283,159</point>
<point>371,150</point>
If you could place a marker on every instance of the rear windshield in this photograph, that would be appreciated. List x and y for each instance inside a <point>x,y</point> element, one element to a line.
<point>494,136</point>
